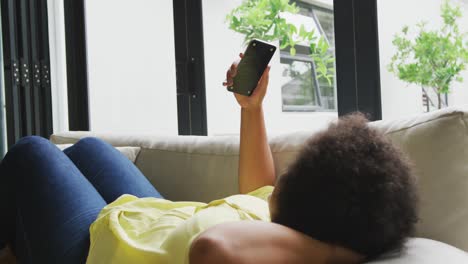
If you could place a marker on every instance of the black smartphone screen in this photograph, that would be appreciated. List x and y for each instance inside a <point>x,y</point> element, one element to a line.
<point>251,67</point>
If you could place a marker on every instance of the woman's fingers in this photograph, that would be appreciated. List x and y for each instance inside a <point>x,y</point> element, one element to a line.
<point>263,83</point>
<point>233,69</point>
<point>265,76</point>
<point>230,74</point>
<point>229,79</point>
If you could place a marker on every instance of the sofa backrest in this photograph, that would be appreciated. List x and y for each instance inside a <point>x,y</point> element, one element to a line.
<point>205,168</point>
<point>437,144</point>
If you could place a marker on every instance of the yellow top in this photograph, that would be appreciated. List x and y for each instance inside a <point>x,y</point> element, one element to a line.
<point>151,230</point>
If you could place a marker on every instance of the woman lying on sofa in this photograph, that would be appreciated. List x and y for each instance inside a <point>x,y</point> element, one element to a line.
<point>348,197</point>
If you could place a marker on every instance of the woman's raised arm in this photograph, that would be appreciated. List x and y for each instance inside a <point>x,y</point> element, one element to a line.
<point>256,168</point>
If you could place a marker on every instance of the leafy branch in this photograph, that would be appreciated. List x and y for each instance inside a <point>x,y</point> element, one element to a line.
<point>261,19</point>
<point>433,58</point>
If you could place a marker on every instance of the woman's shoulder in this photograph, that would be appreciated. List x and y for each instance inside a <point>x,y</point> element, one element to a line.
<point>257,242</point>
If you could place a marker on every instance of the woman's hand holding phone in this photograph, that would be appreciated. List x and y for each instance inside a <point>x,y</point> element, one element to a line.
<point>256,167</point>
<point>256,98</point>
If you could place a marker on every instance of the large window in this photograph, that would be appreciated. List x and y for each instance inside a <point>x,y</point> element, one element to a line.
<point>134,87</point>
<point>302,89</point>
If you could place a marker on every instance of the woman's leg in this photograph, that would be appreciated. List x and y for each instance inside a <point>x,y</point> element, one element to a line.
<point>109,171</point>
<point>47,204</point>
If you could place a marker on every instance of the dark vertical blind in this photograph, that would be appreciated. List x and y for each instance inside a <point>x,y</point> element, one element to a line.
<point>26,68</point>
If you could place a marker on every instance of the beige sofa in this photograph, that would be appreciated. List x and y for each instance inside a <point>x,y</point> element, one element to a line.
<point>205,168</point>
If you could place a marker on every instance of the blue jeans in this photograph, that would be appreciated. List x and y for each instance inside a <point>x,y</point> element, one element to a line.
<point>49,198</point>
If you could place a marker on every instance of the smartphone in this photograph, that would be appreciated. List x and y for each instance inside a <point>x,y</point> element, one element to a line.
<point>251,67</point>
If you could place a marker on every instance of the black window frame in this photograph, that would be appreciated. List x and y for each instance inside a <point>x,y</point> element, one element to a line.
<point>190,67</point>
<point>357,57</point>
<point>77,68</point>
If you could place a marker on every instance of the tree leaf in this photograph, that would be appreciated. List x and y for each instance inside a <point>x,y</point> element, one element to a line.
<point>433,58</point>
<point>262,19</point>
<point>293,51</point>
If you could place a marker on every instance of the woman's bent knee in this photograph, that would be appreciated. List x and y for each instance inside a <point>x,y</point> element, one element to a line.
<point>28,145</point>
<point>91,141</point>
<point>31,141</point>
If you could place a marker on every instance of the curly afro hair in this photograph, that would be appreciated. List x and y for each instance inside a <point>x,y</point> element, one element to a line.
<point>350,186</point>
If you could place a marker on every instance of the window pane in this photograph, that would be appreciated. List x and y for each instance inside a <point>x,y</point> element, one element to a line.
<point>291,102</point>
<point>131,64</point>
<point>300,93</point>
<point>298,86</point>
<point>326,22</point>
<point>425,80</point>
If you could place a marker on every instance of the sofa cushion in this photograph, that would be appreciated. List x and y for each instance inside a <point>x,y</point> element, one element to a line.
<point>182,168</point>
<point>420,250</point>
<point>130,152</point>
<point>437,144</point>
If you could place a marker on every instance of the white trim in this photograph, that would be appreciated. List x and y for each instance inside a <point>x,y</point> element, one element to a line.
<point>328,4</point>
<point>3,126</point>
<point>58,65</point>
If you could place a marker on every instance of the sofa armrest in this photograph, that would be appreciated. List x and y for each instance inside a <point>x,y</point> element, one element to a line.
<point>130,152</point>
<point>180,167</point>
<point>197,168</point>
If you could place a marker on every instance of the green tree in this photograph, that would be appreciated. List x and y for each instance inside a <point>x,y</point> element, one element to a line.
<point>261,19</point>
<point>433,58</point>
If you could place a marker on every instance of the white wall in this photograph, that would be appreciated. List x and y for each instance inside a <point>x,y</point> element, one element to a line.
<point>323,3</point>
<point>398,98</point>
<point>460,90</point>
<point>222,47</point>
<point>131,64</point>
<point>3,131</point>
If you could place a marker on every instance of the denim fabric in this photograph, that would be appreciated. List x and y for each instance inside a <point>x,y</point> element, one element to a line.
<point>49,198</point>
